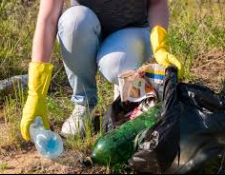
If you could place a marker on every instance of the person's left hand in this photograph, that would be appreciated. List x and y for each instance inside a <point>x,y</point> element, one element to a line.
<point>160,50</point>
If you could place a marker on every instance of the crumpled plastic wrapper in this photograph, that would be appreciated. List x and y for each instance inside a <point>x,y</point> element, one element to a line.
<point>144,83</point>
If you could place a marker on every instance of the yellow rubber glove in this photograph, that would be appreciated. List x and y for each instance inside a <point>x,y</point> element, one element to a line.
<point>39,80</point>
<point>160,48</point>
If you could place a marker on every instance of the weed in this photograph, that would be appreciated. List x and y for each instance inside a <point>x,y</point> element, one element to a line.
<point>3,166</point>
<point>12,110</point>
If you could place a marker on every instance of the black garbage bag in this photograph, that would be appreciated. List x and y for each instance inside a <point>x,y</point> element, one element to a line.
<point>191,127</point>
<point>115,114</point>
<point>202,127</point>
<point>158,146</point>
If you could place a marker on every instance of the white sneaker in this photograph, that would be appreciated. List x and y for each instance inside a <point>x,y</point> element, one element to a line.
<point>76,123</point>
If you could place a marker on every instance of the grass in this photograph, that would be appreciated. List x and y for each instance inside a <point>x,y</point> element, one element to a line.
<point>197,29</point>
<point>3,166</point>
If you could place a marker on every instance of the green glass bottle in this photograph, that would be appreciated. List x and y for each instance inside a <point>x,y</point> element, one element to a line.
<point>117,147</point>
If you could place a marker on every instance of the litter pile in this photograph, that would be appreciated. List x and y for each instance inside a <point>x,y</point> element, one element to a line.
<point>186,132</point>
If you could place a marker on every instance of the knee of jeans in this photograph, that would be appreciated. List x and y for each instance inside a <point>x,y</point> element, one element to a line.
<point>79,21</point>
<point>109,66</point>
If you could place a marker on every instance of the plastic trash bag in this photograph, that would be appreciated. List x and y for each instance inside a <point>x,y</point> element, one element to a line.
<point>158,146</point>
<point>193,115</point>
<point>202,130</point>
<point>202,127</point>
<point>160,142</point>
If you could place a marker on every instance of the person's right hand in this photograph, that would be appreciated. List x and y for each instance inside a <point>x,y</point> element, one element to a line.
<point>35,107</point>
<point>39,81</point>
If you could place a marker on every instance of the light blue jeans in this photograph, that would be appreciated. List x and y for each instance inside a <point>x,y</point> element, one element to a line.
<point>84,52</point>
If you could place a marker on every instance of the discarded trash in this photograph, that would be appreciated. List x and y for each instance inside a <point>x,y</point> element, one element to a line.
<point>157,147</point>
<point>117,146</point>
<point>201,129</point>
<point>138,85</point>
<point>122,112</point>
<point>10,85</point>
<point>48,143</point>
<point>189,133</point>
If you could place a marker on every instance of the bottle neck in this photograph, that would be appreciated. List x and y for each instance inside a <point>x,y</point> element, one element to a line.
<point>36,127</point>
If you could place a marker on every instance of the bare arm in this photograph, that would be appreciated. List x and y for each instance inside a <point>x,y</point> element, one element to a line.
<point>46,29</point>
<point>159,13</point>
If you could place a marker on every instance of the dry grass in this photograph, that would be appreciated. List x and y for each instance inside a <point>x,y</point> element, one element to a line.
<point>197,34</point>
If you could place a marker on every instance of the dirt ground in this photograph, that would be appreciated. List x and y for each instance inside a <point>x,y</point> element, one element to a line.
<point>32,163</point>
<point>209,69</point>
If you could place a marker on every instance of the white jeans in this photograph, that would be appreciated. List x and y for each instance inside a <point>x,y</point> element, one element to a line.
<point>84,52</point>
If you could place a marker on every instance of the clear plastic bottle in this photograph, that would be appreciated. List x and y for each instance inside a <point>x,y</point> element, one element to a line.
<point>48,143</point>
